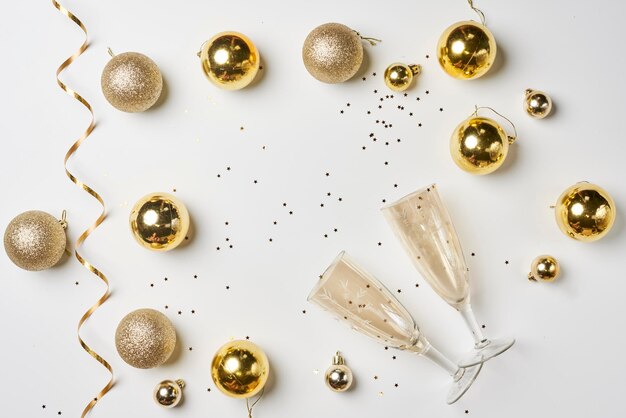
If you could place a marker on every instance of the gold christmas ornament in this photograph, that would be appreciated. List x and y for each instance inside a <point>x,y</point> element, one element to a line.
<point>145,338</point>
<point>240,369</point>
<point>131,82</point>
<point>480,145</point>
<point>398,76</point>
<point>338,376</point>
<point>168,393</point>
<point>545,268</point>
<point>466,50</point>
<point>585,212</point>
<point>230,60</point>
<point>159,221</point>
<point>537,104</point>
<point>35,240</point>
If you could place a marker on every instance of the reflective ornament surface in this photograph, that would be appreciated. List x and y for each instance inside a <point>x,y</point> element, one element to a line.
<point>466,50</point>
<point>35,240</point>
<point>145,338</point>
<point>585,212</point>
<point>230,60</point>
<point>168,393</point>
<point>537,104</point>
<point>545,268</point>
<point>338,377</point>
<point>332,53</point>
<point>398,76</point>
<point>240,369</point>
<point>131,82</point>
<point>159,221</point>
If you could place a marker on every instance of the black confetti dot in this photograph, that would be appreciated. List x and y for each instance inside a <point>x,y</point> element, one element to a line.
<point>304,311</point>
<point>190,348</point>
<point>195,276</point>
<point>208,389</point>
<point>417,285</point>
<point>227,287</point>
<point>506,262</point>
<point>473,254</point>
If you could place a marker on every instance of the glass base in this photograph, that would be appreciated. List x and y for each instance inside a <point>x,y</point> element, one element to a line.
<point>489,351</point>
<point>463,383</point>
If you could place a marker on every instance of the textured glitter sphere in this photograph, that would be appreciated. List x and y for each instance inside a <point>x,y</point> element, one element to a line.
<point>398,76</point>
<point>35,240</point>
<point>332,53</point>
<point>145,338</point>
<point>131,82</point>
<point>537,104</point>
<point>168,393</point>
<point>230,60</point>
<point>585,212</point>
<point>466,50</point>
<point>159,221</point>
<point>240,369</point>
<point>545,268</point>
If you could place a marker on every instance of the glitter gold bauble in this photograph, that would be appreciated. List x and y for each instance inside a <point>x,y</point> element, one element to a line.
<point>131,82</point>
<point>240,369</point>
<point>545,268</point>
<point>145,338</point>
<point>338,377</point>
<point>332,53</point>
<point>168,393</point>
<point>537,104</point>
<point>398,76</point>
<point>159,221</point>
<point>585,212</point>
<point>479,145</point>
<point>466,50</point>
<point>230,60</point>
<point>35,240</point>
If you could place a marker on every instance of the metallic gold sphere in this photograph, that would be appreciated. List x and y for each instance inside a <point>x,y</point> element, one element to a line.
<point>159,221</point>
<point>332,53</point>
<point>537,104</point>
<point>479,145</point>
<point>131,82</point>
<point>145,338</point>
<point>168,393</point>
<point>398,76</point>
<point>35,240</point>
<point>338,377</point>
<point>240,369</point>
<point>545,268</point>
<point>230,60</point>
<point>466,50</point>
<point>585,212</point>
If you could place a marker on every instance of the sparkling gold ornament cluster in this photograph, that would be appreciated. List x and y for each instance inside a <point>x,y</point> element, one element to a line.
<point>240,369</point>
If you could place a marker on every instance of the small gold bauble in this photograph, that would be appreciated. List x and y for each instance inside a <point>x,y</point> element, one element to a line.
<point>240,369</point>
<point>131,82</point>
<point>159,221</point>
<point>35,240</point>
<point>479,145</point>
<point>537,104</point>
<point>545,268</point>
<point>585,212</point>
<point>230,60</point>
<point>338,377</point>
<point>466,50</point>
<point>168,393</point>
<point>145,338</point>
<point>332,53</point>
<point>398,76</point>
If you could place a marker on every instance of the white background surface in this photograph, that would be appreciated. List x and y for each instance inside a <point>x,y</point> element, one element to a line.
<point>568,360</point>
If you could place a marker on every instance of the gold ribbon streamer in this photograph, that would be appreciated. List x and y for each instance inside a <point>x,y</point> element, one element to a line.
<point>93,193</point>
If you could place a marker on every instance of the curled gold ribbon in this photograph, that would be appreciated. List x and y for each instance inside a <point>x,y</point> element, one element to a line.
<point>93,193</point>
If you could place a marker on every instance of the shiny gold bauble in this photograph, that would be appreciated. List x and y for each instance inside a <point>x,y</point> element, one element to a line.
<point>545,268</point>
<point>332,53</point>
<point>131,82</point>
<point>537,104</point>
<point>466,50</point>
<point>159,221</point>
<point>338,377</point>
<point>168,393</point>
<point>230,60</point>
<point>585,212</point>
<point>35,240</point>
<point>145,338</point>
<point>240,369</point>
<point>398,76</point>
<point>479,145</point>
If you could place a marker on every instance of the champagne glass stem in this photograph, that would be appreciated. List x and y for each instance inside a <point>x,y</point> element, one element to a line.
<point>442,361</point>
<point>470,320</point>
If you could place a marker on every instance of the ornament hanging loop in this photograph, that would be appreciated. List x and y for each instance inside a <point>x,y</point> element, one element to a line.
<point>479,12</point>
<point>63,220</point>
<point>110,51</point>
<point>249,407</point>
<point>510,138</point>
<point>201,47</point>
<point>372,41</point>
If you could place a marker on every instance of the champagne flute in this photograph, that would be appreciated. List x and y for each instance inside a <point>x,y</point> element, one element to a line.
<point>423,225</point>
<point>358,299</point>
